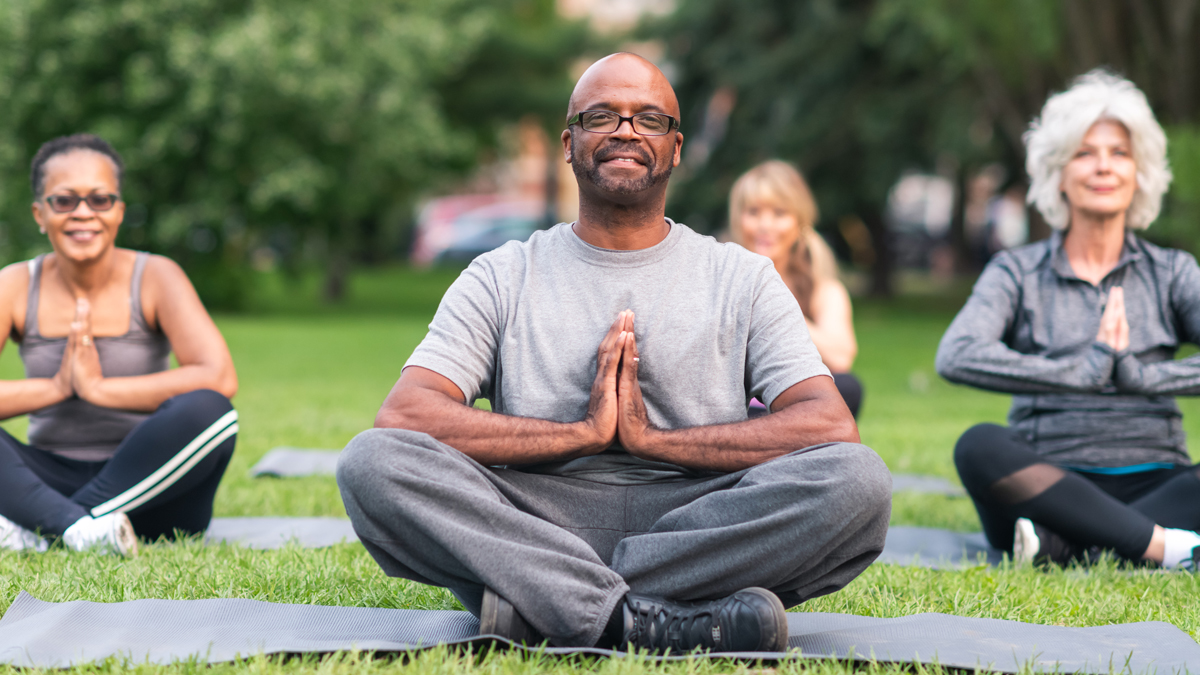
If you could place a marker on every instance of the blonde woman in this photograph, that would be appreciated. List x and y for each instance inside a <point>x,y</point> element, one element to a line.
<point>772,212</point>
<point>1082,329</point>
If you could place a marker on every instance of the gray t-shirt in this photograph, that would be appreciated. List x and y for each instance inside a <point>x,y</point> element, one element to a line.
<point>715,326</point>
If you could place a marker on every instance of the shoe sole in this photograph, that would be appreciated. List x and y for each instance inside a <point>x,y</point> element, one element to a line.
<point>125,537</point>
<point>775,634</point>
<point>1025,542</point>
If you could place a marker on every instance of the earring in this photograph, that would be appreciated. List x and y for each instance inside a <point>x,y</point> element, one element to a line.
<point>42,230</point>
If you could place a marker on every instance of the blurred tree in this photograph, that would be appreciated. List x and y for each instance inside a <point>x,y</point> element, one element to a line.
<point>857,91</point>
<point>313,124</point>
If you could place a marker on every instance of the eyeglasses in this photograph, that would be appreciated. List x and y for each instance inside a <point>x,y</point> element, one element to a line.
<point>97,201</point>
<point>606,122</point>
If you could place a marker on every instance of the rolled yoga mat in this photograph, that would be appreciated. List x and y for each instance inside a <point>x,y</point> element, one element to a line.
<point>292,462</point>
<point>58,635</point>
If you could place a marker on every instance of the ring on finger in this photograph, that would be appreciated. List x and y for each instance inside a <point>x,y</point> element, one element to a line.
<point>87,340</point>
<point>636,359</point>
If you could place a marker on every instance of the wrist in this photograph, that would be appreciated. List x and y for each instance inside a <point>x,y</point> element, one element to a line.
<point>93,391</point>
<point>588,440</point>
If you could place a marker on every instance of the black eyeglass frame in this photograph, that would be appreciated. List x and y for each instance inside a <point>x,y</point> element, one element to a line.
<point>75,199</point>
<point>577,118</point>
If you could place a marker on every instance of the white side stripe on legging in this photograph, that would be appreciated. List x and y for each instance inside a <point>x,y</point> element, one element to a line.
<point>168,474</point>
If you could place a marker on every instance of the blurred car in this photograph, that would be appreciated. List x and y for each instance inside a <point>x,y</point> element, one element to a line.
<point>456,229</point>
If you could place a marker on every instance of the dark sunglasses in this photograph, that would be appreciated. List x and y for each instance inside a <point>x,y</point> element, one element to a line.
<point>97,201</point>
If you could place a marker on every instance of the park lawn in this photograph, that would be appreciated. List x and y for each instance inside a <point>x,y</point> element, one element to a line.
<point>313,377</point>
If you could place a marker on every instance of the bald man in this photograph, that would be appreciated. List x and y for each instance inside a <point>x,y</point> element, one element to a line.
<point>616,494</point>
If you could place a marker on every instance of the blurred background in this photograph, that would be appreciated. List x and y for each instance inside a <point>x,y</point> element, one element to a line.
<point>290,145</point>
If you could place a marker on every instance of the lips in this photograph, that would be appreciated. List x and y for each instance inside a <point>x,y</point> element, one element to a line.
<point>623,156</point>
<point>82,235</point>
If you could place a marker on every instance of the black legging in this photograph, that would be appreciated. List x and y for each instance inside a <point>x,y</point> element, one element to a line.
<point>847,385</point>
<point>1007,480</point>
<point>164,475</point>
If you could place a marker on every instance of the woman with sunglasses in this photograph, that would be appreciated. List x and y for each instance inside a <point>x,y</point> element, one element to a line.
<point>119,442</point>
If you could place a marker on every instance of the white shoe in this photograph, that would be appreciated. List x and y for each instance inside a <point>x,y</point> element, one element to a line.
<point>13,537</point>
<point>1026,543</point>
<point>108,533</point>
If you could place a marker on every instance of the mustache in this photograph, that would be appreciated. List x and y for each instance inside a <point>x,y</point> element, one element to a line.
<point>608,151</point>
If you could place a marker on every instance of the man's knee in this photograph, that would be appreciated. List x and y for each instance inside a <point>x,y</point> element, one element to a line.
<point>852,477</point>
<point>376,452</point>
<point>865,481</point>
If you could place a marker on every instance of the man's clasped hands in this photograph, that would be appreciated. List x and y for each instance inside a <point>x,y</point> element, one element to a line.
<point>616,411</point>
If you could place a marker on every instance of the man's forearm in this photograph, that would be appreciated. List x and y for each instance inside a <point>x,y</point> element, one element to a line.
<point>488,438</point>
<point>733,447</point>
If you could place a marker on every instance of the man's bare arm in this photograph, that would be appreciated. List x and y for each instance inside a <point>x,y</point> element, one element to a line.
<point>423,400</point>
<point>807,413</point>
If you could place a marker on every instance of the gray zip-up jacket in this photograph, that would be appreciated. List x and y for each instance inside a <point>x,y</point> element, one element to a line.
<point>1029,329</point>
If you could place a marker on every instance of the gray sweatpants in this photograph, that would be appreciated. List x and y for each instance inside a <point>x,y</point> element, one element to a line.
<point>564,551</point>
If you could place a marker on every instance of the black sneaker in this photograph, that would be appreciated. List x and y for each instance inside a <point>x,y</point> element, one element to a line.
<point>751,620</point>
<point>499,617</point>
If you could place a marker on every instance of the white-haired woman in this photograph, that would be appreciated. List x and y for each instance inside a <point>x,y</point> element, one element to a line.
<point>1082,329</point>
<point>772,212</point>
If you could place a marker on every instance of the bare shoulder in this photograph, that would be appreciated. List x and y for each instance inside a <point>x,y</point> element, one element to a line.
<point>161,268</point>
<point>14,289</point>
<point>831,293</point>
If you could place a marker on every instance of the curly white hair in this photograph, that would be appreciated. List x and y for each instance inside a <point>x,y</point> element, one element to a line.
<point>1054,137</point>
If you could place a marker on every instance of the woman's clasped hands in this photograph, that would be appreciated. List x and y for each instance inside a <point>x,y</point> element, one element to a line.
<point>1114,327</point>
<point>80,373</point>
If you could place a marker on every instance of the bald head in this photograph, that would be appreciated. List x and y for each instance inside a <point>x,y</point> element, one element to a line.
<point>623,77</point>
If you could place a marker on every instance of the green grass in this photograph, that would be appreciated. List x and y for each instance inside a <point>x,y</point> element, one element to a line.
<point>314,375</point>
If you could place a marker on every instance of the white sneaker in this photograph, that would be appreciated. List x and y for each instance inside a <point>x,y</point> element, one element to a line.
<point>111,533</point>
<point>13,537</point>
<point>1026,543</point>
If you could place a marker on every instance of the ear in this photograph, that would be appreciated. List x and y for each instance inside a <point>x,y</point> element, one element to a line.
<point>38,216</point>
<point>678,148</point>
<point>566,143</point>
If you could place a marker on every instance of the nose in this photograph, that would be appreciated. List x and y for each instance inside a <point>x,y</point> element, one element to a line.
<point>87,210</point>
<point>625,129</point>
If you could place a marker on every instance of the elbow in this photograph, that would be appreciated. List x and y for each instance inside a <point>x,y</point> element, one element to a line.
<point>228,384</point>
<point>946,364</point>
<point>846,430</point>
<point>398,412</point>
<point>841,361</point>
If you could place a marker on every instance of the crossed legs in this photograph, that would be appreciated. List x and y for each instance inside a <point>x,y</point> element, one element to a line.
<point>565,551</point>
<point>1007,480</point>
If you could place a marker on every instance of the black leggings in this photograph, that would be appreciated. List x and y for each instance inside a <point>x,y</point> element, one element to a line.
<point>164,475</point>
<point>1007,480</point>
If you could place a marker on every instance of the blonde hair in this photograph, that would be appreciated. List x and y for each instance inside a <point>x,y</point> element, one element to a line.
<point>1055,135</point>
<point>779,184</point>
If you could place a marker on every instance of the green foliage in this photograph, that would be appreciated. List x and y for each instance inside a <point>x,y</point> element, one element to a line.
<point>301,123</point>
<point>1179,224</point>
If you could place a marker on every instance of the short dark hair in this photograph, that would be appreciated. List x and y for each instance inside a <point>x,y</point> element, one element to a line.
<point>61,146</point>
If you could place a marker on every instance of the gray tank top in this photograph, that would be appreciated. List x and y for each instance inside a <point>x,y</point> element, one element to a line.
<point>75,428</point>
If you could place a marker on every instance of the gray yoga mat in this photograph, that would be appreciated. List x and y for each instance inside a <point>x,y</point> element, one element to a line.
<point>902,482</point>
<point>34,633</point>
<point>291,462</point>
<point>939,549</point>
<point>278,532</point>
